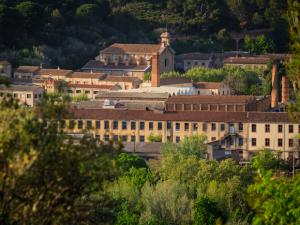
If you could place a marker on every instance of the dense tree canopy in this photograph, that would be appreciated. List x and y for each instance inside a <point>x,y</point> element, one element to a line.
<point>57,32</point>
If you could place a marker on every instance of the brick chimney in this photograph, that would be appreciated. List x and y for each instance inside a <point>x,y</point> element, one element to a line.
<point>274,93</point>
<point>285,89</point>
<point>155,74</point>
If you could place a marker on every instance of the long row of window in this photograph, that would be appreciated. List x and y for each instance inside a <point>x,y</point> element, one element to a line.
<point>279,128</point>
<point>124,125</point>
<point>279,142</point>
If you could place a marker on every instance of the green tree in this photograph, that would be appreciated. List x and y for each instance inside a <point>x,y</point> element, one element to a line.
<point>205,212</point>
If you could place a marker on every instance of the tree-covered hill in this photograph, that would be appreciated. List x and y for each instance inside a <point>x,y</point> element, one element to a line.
<point>69,32</point>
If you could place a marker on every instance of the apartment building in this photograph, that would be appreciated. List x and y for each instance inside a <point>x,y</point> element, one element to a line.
<point>26,94</point>
<point>245,132</point>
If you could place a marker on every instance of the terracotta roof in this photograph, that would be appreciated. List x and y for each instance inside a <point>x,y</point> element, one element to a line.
<point>107,87</point>
<point>132,95</point>
<point>209,85</point>
<point>54,72</point>
<point>174,80</point>
<point>234,117</point>
<point>118,48</point>
<point>200,99</point>
<point>122,79</point>
<point>99,66</point>
<point>91,75</point>
<point>22,88</point>
<point>195,56</point>
<point>27,69</point>
<point>247,60</point>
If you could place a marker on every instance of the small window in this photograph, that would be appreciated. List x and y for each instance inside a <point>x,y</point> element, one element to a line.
<point>150,125</point>
<point>267,128</point>
<point>177,126</point>
<point>241,127</point>
<point>124,138</point>
<point>70,91</point>
<point>186,126</point>
<point>115,137</point>
<point>279,142</point>
<point>222,126</point>
<point>15,95</point>
<point>213,138</point>
<point>195,126</point>
<point>78,91</point>
<point>132,138</point>
<point>267,142</point>
<point>98,124</point>
<point>133,125</point>
<point>96,92</point>
<point>71,124</point>
<point>80,124</point>
<point>253,141</point>
<point>28,95</point>
<point>291,143</point>
<point>106,125</point>
<point>177,139</point>
<point>106,137</point>
<point>124,125</point>
<point>291,128</point>
<point>87,92</point>
<point>280,128</point>
<point>166,63</point>
<point>89,124</point>
<point>241,141</point>
<point>159,125</point>
<point>142,138</point>
<point>253,127</point>
<point>142,125</point>
<point>35,95</point>
<point>213,126</point>
<point>97,137</point>
<point>169,125</point>
<point>115,125</point>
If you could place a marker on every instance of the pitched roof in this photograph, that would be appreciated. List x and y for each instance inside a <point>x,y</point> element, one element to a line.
<point>131,95</point>
<point>195,56</point>
<point>211,99</point>
<point>100,66</point>
<point>106,87</point>
<point>118,48</point>
<point>209,85</point>
<point>234,117</point>
<point>54,72</point>
<point>90,75</point>
<point>24,88</point>
<point>122,79</point>
<point>247,60</point>
<point>27,69</point>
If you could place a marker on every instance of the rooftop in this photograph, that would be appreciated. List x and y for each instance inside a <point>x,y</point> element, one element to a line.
<point>21,88</point>
<point>90,75</point>
<point>211,99</point>
<point>195,56</point>
<point>106,87</point>
<point>55,72</point>
<point>226,117</point>
<point>118,48</point>
<point>175,81</point>
<point>100,66</point>
<point>247,60</point>
<point>122,79</point>
<point>131,95</point>
<point>27,69</point>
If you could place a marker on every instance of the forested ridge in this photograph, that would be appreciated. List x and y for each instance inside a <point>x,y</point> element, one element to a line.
<point>67,33</point>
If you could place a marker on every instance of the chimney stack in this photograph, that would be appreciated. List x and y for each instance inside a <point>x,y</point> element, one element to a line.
<point>285,89</point>
<point>155,74</point>
<point>274,93</point>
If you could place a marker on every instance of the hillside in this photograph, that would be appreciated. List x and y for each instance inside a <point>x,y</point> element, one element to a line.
<point>69,32</point>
